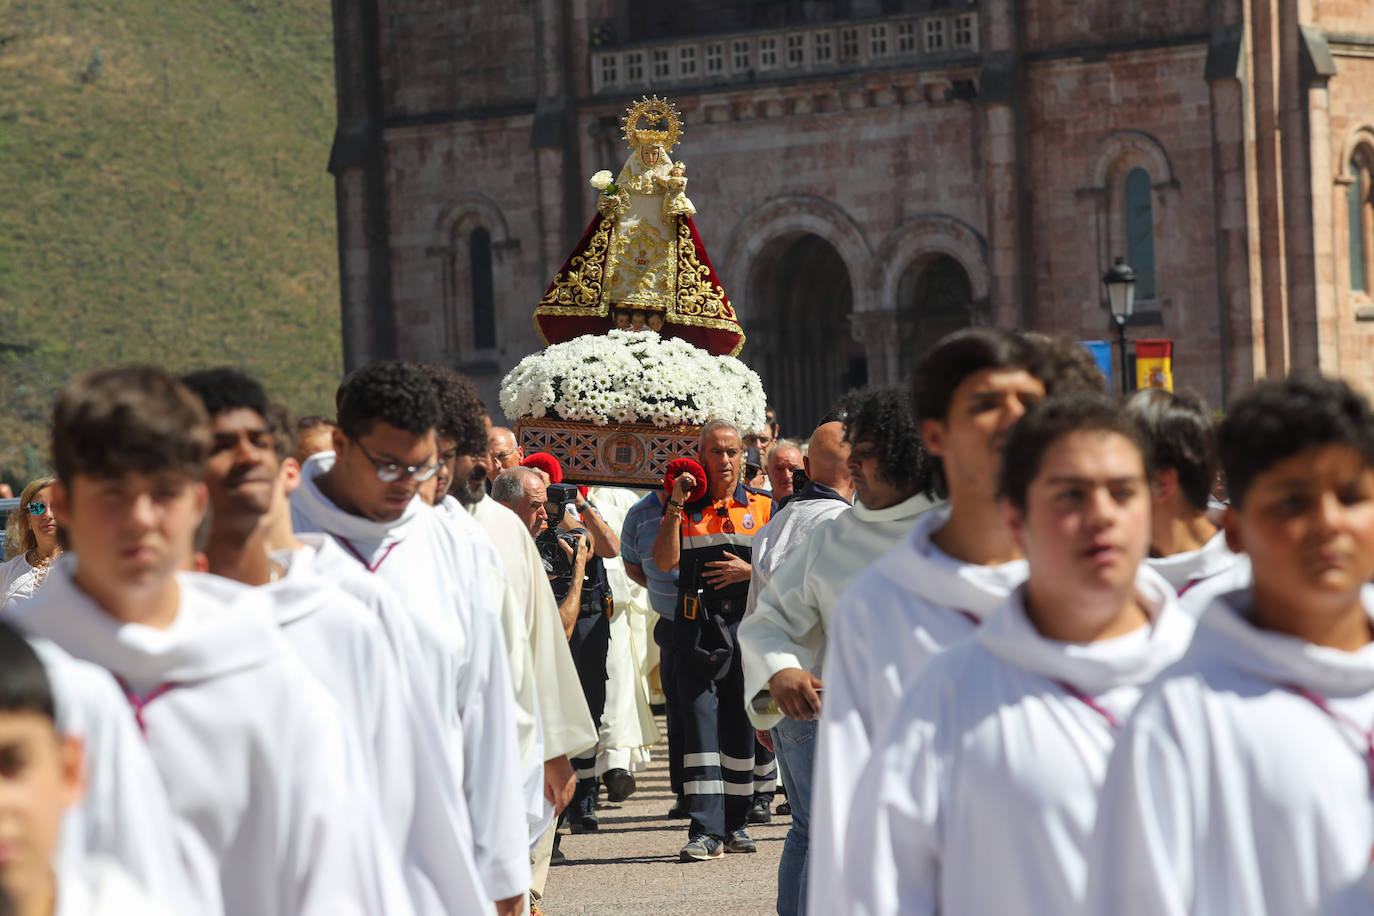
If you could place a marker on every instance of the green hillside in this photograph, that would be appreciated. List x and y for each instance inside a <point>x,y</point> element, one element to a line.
<point>163,198</point>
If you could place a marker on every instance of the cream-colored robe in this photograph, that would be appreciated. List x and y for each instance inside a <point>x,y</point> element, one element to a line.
<point>628,728</point>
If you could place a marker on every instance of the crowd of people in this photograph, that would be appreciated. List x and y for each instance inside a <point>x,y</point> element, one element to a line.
<point>1010,646</point>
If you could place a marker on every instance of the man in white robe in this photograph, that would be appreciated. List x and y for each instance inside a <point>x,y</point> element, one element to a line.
<point>1187,545</point>
<point>980,795</point>
<point>930,591</point>
<point>1242,784</point>
<point>364,495</point>
<point>342,642</point>
<point>554,721</point>
<point>250,748</point>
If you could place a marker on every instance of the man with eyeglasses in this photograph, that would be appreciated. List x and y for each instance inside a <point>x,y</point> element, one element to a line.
<point>363,494</point>
<point>505,451</point>
<point>709,541</point>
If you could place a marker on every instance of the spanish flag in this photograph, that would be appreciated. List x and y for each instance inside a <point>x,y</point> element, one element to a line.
<point>1154,364</point>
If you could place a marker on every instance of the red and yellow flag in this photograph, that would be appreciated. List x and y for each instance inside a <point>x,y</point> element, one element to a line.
<point>1154,364</point>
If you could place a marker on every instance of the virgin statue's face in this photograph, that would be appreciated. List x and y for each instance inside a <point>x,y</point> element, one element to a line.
<point>649,154</point>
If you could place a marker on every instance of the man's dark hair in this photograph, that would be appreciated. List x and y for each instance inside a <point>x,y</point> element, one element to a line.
<point>961,354</point>
<point>883,414</point>
<point>139,419</point>
<point>227,388</point>
<point>461,411</point>
<point>1069,367</point>
<point>1280,419</point>
<point>389,392</point>
<point>24,684</point>
<point>1048,422</point>
<point>1182,438</point>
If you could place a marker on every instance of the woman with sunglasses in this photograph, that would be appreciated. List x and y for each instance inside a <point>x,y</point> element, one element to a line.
<point>31,542</point>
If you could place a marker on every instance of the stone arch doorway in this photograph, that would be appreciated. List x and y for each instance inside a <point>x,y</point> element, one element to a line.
<point>934,298</point>
<point>800,297</point>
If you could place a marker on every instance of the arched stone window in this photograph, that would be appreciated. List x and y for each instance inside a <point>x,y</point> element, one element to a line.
<point>1358,212</point>
<point>1140,230</point>
<point>483,292</point>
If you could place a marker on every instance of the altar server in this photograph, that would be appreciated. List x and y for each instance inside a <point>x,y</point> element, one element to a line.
<point>1187,545</point>
<point>931,590</point>
<point>1243,783</point>
<point>782,642</point>
<point>980,794</point>
<point>342,642</point>
<point>363,494</point>
<point>43,774</point>
<point>249,746</point>
<point>123,813</point>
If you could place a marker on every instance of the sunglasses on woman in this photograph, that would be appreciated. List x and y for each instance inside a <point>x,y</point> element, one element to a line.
<point>37,508</point>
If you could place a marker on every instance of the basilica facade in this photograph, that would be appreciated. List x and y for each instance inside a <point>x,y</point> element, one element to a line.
<point>870,174</point>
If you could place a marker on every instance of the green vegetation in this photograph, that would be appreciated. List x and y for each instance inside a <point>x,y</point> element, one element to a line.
<point>163,198</point>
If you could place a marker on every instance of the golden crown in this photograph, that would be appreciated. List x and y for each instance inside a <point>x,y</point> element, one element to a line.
<point>663,123</point>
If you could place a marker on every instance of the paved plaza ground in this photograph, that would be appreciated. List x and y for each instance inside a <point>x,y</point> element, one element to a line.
<point>630,866</point>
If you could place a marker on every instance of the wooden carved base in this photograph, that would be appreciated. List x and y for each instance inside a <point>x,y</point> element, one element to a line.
<point>623,454</point>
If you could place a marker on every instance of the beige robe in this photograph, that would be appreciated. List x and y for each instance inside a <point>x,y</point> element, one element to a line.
<point>628,728</point>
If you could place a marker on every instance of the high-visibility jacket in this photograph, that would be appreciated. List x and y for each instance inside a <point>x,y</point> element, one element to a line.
<point>711,530</point>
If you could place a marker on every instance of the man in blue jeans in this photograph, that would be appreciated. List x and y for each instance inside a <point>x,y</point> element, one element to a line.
<point>784,635</point>
<point>636,552</point>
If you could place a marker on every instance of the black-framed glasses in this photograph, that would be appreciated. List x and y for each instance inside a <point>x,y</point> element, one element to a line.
<point>389,472</point>
<point>727,524</point>
<point>37,508</point>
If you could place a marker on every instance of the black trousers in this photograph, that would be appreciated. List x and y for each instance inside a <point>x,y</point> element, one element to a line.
<point>590,641</point>
<point>717,738</point>
<point>667,676</point>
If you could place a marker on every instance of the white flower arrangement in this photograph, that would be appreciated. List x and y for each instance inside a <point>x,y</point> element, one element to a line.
<point>634,377</point>
<point>602,180</point>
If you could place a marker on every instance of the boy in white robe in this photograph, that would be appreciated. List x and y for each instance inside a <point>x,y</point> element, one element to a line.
<point>1187,545</point>
<point>364,495</point>
<point>932,589</point>
<point>342,643</point>
<point>1242,784</point>
<point>980,796</point>
<point>250,748</point>
<point>123,812</point>
<point>42,775</point>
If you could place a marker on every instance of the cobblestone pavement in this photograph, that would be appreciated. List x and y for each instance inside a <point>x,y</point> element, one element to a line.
<point>630,868</point>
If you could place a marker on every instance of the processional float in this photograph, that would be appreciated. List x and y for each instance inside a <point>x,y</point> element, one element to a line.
<point>640,337</point>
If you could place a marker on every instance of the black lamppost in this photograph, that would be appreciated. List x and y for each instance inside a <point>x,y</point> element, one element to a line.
<point>1120,282</point>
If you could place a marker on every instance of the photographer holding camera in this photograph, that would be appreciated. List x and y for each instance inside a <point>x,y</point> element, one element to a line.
<point>584,601</point>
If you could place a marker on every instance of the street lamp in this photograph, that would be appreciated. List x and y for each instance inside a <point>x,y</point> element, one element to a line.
<point>1120,283</point>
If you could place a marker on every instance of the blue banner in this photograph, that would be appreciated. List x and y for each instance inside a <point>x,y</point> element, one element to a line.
<point>1102,355</point>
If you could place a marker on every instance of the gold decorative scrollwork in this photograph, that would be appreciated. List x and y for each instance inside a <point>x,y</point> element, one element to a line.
<point>697,296</point>
<point>578,289</point>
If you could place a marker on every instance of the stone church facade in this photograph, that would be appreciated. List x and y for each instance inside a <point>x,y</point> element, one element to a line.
<point>870,174</point>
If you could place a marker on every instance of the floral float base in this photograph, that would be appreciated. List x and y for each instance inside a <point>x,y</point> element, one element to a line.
<point>621,455</point>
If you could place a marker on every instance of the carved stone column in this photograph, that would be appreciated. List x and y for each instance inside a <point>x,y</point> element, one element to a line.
<point>877,331</point>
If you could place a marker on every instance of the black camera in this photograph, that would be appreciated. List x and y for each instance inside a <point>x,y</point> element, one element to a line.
<point>560,495</point>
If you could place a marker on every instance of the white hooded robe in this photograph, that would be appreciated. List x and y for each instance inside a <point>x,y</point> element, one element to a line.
<point>980,796</point>
<point>344,645</point>
<point>911,604</point>
<point>1231,790</point>
<point>441,582</point>
<point>251,749</point>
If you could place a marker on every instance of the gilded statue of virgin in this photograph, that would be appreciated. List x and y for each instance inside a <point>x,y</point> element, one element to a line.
<point>641,262</point>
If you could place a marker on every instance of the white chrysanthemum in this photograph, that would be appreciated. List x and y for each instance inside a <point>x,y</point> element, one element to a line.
<point>633,376</point>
